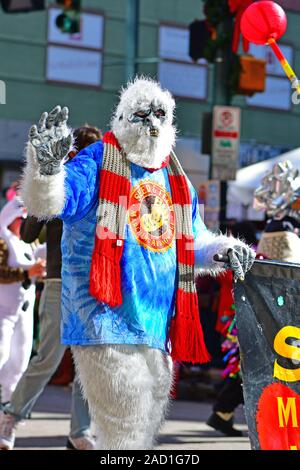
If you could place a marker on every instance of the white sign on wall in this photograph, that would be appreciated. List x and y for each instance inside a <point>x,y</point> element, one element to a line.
<point>68,65</point>
<point>176,71</point>
<point>75,58</point>
<point>278,92</point>
<point>186,80</point>
<point>278,95</point>
<point>225,141</point>
<point>91,31</point>
<point>174,43</point>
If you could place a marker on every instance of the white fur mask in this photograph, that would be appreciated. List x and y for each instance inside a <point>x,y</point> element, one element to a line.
<point>142,123</point>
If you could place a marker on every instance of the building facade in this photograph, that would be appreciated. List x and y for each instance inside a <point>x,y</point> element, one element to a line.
<point>40,68</point>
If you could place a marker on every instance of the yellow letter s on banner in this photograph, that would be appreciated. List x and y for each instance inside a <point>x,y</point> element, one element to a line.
<point>288,351</point>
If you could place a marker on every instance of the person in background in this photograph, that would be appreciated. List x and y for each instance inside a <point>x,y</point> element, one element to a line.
<point>230,394</point>
<point>279,197</point>
<point>12,191</point>
<point>19,265</point>
<point>50,351</point>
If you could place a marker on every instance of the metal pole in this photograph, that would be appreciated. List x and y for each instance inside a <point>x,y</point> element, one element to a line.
<point>222,97</point>
<point>132,38</point>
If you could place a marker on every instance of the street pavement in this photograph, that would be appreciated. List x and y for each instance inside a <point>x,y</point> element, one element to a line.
<point>185,427</point>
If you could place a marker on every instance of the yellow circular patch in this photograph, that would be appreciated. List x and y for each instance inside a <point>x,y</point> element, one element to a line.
<point>151,216</point>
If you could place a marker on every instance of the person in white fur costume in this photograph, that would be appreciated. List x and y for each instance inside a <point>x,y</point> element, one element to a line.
<point>19,265</point>
<point>133,241</point>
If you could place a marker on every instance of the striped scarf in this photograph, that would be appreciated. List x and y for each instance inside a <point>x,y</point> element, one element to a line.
<point>185,332</point>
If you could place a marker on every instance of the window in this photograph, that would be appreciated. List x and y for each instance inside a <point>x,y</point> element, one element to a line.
<point>75,58</point>
<point>278,93</point>
<point>176,70</point>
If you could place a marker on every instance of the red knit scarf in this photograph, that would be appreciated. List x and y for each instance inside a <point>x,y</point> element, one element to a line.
<point>186,335</point>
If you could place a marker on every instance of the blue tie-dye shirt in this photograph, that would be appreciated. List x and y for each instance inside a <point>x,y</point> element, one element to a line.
<point>148,263</point>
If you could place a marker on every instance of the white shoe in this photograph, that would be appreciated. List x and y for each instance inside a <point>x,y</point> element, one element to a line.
<point>81,443</point>
<point>8,425</point>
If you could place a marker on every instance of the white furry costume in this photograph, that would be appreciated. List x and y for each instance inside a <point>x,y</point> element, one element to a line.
<point>122,352</point>
<point>16,302</point>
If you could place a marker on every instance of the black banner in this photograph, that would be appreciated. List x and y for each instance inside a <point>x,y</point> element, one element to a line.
<point>268,321</point>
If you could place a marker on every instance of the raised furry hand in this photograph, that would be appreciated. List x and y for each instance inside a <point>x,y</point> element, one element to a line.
<point>52,140</point>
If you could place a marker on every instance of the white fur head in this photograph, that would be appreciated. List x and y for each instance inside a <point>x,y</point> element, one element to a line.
<point>143,123</point>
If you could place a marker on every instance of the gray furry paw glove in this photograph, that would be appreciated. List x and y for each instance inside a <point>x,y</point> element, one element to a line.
<point>241,258</point>
<point>52,140</point>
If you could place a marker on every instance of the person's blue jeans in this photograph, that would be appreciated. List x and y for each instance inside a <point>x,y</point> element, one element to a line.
<point>44,364</point>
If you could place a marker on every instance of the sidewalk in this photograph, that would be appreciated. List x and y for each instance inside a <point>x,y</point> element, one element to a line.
<point>185,428</point>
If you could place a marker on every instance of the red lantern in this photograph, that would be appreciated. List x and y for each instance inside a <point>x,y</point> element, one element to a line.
<point>263,21</point>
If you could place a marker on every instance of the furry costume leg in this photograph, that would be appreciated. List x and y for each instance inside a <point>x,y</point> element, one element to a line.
<point>161,367</point>
<point>127,389</point>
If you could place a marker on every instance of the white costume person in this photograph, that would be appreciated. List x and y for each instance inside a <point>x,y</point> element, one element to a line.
<point>17,296</point>
<point>132,241</point>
